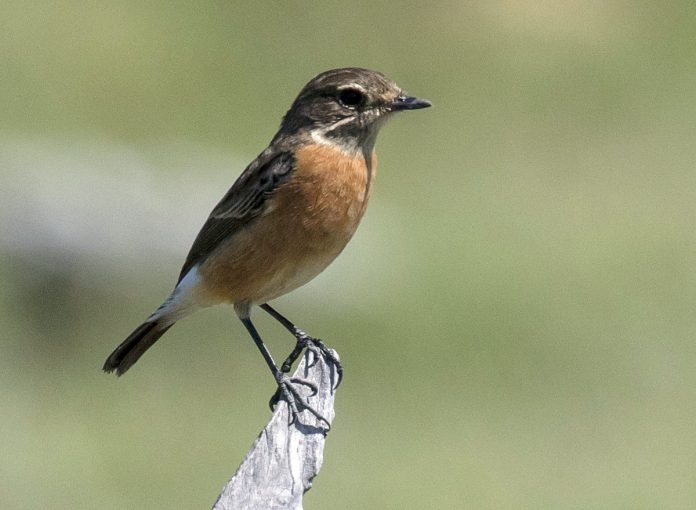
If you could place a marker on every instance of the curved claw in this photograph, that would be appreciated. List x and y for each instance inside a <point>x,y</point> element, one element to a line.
<point>312,387</point>
<point>295,400</point>
<point>339,374</point>
<point>273,401</point>
<point>318,348</point>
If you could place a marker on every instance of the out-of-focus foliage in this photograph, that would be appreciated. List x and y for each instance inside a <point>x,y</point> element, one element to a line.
<point>516,315</point>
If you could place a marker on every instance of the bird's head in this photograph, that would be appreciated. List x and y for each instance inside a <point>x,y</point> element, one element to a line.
<point>346,107</point>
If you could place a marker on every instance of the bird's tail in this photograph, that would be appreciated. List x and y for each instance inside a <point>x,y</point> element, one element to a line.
<point>135,345</point>
<point>180,303</point>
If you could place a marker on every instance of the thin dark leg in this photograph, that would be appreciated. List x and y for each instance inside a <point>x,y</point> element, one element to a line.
<point>261,346</point>
<point>304,340</point>
<point>286,390</point>
<point>297,333</point>
<point>277,316</point>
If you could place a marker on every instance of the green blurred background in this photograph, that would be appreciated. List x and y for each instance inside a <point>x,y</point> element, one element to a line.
<point>515,315</point>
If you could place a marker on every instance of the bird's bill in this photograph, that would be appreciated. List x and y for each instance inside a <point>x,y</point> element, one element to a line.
<point>410,103</point>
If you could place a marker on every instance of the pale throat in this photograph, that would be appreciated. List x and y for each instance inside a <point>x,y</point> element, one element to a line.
<point>353,142</point>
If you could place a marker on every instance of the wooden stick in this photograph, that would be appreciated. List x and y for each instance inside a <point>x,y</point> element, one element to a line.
<point>285,458</point>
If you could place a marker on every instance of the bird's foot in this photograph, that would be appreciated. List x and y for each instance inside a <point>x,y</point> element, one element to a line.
<point>297,402</point>
<point>317,348</point>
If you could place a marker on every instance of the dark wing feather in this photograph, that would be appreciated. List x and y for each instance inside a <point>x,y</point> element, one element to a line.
<point>243,202</point>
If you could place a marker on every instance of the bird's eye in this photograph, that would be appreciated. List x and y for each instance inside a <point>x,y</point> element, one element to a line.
<point>351,98</point>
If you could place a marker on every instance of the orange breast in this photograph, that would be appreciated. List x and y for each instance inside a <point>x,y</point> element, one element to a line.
<point>306,224</point>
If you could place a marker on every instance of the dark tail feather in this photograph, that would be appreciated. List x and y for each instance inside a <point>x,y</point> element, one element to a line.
<point>134,346</point>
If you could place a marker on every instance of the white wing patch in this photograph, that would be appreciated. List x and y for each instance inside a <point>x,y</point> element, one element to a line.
<point>183,301</point>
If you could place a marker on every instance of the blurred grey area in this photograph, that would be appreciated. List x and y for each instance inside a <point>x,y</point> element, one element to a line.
<point>515,314</point>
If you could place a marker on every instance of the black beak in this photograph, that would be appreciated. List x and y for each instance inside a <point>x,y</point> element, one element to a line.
<point>409,103</point>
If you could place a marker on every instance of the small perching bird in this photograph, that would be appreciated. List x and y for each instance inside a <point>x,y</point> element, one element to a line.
<point>286,218</point>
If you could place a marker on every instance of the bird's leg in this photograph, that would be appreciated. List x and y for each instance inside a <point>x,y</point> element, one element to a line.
<point>286,389</point>
<point>315,345</point>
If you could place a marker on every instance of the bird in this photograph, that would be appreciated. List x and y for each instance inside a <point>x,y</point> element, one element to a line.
<point>285,219</point>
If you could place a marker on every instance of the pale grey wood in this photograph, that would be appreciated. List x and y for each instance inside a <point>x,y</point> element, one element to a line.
<point>284,459</point>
